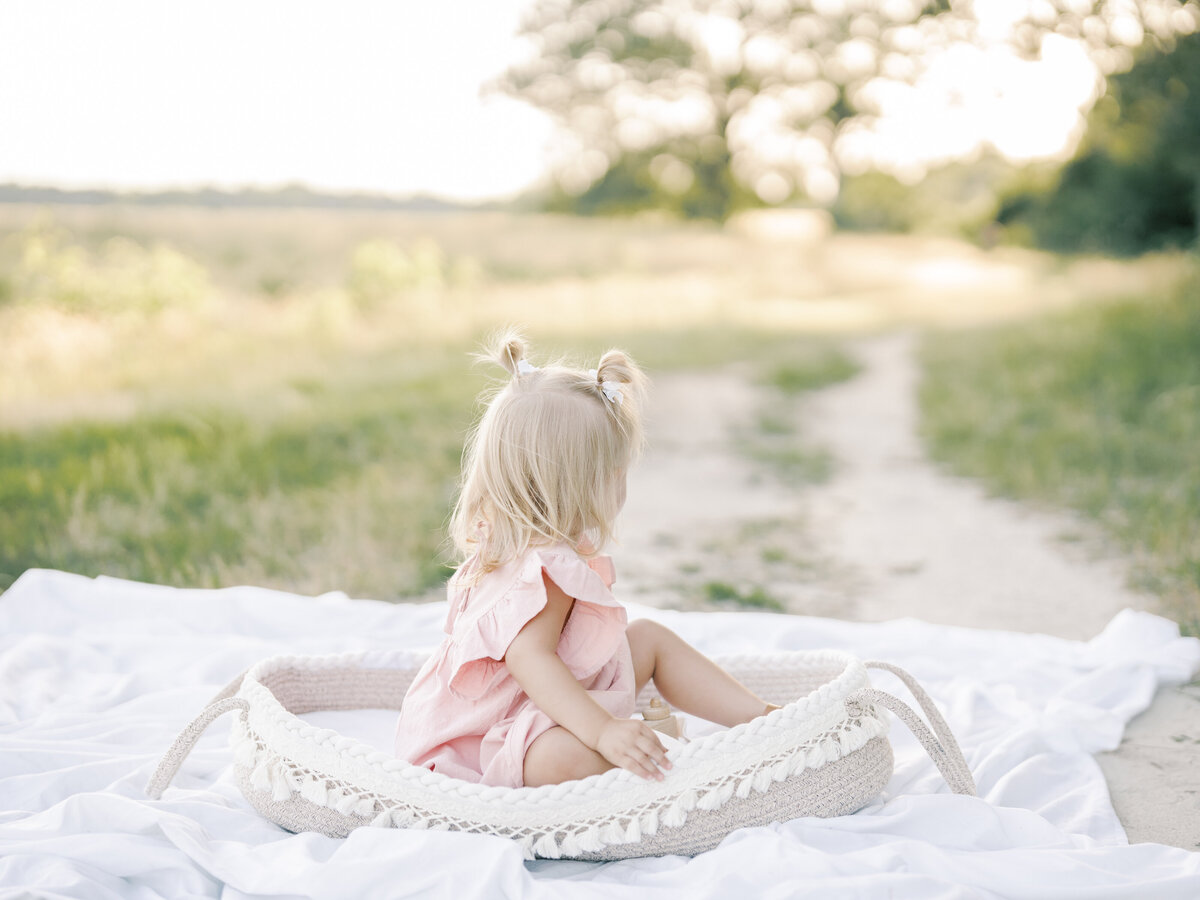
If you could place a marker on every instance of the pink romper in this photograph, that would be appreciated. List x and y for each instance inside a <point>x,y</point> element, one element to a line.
<point>465,715</point>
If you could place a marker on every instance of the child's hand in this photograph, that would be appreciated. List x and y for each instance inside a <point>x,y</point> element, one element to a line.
<point>633,745</point>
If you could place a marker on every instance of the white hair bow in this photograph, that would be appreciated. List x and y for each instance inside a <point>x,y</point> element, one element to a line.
<point>524,367</point>
<point>611,389</point>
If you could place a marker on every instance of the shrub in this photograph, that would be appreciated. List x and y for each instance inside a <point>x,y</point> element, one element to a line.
<point>383,272</point>
<point>120,276</point>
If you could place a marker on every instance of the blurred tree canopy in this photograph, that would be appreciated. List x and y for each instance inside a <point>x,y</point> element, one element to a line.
<point>1134,185</point>
<point>706,106</point>
<point>960,198</point>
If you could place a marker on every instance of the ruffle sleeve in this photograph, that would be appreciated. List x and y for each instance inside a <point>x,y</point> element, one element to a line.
<point>494,616</point>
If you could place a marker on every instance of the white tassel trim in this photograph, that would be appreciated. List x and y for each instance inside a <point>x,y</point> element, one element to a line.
<point>716,798</point>
<point>527,847</point>
<point>280,788</point>
<point>650,823</point>
<point>260,777</point>
<point>570,844</point>
<point>245,754</point>
<point>347,804</point>
<point>674,816</point>
<point>612,833</point>
<point>633,833</point>
<point>392,818</point>
<point>314,791</point>
<point>589,840</point>
<point>762,779</point>
<point>547,848</point>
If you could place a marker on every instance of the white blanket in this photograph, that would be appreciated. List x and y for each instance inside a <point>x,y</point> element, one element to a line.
<point>97,677</point>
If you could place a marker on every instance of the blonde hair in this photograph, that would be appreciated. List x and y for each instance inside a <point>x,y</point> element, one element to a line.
<point>544,463</point>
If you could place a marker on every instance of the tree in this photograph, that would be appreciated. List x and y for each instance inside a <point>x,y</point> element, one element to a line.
<point>708,105</point>
<point>1134,185</point>
<point>1156,106</point>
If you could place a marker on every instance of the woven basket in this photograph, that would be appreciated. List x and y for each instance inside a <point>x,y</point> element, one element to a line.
<point>825,753</point>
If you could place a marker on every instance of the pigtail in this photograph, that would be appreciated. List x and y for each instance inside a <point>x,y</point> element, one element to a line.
<point>507,349</point>
<point>622,386</point>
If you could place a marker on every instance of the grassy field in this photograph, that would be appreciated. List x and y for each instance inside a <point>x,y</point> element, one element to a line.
<point>1097,409</point>
<point>200,398</point>
<point>207,397</point>
<point>342,480</point>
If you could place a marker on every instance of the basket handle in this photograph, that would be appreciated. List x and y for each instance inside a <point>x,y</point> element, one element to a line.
<point>222,703</point>
<point>940,744</point>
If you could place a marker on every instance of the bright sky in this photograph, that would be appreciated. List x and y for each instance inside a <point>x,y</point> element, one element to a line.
<point>348,95</point>
<point>384,95</point>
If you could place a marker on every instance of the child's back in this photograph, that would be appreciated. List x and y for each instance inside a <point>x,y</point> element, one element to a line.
<point>465,715</point>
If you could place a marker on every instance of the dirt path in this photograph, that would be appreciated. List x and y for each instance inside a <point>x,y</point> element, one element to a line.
<point>887,536</point>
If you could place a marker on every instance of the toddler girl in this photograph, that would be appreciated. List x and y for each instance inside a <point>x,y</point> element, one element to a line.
<point>536,679</point>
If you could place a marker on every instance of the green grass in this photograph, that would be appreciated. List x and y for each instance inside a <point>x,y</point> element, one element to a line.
<point>822,365</point>
<point>1097,409</point>
<point>335,474</point>
<point>775,441</point>
<point>282,401</point>
<point>212,495</point>
<point>792,464</point>
<point>755,598</point>
<point>275,397</point>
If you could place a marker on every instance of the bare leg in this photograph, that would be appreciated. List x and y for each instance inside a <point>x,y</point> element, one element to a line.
<point>557,755</point>
<point>687,678</point>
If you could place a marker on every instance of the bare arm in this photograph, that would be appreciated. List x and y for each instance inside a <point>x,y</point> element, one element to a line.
<point>532,659</point>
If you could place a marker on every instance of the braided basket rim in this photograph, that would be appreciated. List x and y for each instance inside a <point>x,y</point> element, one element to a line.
<point>696,763</point>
